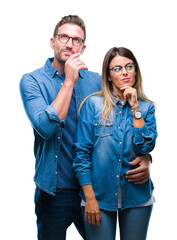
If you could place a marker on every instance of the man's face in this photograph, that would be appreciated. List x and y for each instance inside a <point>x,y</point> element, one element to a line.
<point>62,51</point>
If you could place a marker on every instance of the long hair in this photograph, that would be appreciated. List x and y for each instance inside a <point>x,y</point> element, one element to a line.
<point>106,92</point>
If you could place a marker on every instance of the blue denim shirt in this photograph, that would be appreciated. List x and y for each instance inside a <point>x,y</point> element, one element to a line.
<point>102,153</point>
<point>38,90</point>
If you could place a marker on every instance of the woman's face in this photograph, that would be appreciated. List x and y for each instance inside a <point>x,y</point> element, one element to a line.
<point>122,73</point>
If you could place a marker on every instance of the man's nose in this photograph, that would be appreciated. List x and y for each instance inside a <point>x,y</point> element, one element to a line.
<point>69,43</point>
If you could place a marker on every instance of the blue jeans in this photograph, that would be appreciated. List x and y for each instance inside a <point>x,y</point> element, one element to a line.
<point>133,224</point>
<point>56,213</point>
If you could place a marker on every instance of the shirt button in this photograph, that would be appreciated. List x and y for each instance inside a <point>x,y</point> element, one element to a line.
<point>117,176</point>
<point>116,194</point>
<point>120,112</point>
<point>119,160</point>
<point>58,137</point>
<point>56,156</point>
<point>142,133</point>
<point>62,84</point>
<point>119,127</point>
<point>120,143</point>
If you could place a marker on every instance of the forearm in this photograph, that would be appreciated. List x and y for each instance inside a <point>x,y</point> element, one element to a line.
<point>62,100</point>
<point>138,123</point>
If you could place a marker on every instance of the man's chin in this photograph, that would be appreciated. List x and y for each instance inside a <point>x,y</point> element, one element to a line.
<point>62,60</point>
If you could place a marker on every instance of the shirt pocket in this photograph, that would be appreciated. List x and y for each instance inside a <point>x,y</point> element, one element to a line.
<point>103,130</point>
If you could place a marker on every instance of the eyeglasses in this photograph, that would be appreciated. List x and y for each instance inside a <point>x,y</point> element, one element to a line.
<point>64,38</point>
<point>129,67</point>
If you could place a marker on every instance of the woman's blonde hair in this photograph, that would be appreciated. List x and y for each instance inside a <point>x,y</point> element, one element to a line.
<point>107,85</point>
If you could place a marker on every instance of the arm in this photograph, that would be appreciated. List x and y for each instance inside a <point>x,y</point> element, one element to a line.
<point>92,210</point>
<point>82,163</point>
<point>144,129</point>
<point>43,117</point>
<point>142,172</point>
<point>72,67</point>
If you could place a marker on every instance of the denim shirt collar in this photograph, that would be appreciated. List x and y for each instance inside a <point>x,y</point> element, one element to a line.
<point>52,70</point>
<point>117,100</point>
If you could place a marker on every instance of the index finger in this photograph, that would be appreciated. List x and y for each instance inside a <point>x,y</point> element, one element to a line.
<point>74,55</point>
<point>123,88</point>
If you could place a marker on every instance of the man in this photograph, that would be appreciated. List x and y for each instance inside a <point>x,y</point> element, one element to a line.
<point>51,96</point>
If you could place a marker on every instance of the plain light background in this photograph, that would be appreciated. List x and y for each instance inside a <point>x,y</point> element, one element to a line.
<point>148,28</point>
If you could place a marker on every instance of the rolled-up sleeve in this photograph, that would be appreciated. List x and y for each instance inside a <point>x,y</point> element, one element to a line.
<point>145,137</point>
<point>42,116</point>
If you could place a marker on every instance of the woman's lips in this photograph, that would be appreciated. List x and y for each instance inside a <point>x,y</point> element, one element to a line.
<point>125,79</point>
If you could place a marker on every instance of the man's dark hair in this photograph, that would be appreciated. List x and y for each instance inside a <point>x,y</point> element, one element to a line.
<point>74,19</point>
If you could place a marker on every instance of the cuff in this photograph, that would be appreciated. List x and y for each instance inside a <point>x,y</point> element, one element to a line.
<point>140,134</point>
<point>52,114</point>
<point>85,179</point>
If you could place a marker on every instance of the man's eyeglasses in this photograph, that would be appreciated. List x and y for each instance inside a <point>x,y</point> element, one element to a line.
<point>129,67</point>
<point>64,38</point>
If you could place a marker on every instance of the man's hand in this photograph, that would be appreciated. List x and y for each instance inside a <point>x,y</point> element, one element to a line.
<point>72,67</point>
<point>140,174</point>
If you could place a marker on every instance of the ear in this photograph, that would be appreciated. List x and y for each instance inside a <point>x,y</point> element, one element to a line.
<point>52,43</point>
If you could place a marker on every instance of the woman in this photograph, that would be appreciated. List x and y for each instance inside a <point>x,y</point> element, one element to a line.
<point>115,126</point>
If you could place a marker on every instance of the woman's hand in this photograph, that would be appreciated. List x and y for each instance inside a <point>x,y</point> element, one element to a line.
<point>131,94</point>
<point>92,212</point>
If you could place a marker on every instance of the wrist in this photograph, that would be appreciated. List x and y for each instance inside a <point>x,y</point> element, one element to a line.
<point>88,192</point>
<point>68,83</point>
<point>89,196</point>
<point>135,106</point>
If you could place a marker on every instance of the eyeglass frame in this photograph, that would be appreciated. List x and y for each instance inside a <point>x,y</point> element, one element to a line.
<point>82,40</point>
<point>111,69</point>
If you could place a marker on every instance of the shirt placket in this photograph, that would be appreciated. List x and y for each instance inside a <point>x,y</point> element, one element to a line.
<point>121,120</point>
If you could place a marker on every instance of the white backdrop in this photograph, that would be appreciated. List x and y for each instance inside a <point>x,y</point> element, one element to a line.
<point>148,28</point>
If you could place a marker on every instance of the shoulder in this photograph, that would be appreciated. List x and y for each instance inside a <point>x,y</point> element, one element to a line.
<point>33,77</point>
<point>32,74</point>
<point>95,99</point>
<point>94,102</point>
